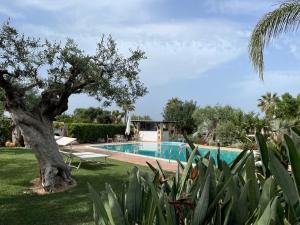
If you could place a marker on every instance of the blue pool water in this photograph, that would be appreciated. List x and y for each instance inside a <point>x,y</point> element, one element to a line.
<point>166,150</point>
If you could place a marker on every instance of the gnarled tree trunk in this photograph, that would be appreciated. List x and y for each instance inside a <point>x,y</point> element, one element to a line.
<point>38,134</point>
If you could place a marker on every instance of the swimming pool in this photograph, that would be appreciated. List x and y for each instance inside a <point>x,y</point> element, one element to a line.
<point>166,150</point>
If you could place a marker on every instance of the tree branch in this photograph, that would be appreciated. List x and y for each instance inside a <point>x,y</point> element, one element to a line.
<point>13,96</point>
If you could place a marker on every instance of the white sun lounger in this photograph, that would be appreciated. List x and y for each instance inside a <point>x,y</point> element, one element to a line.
<point>83,156</point>
<point>64,141</point>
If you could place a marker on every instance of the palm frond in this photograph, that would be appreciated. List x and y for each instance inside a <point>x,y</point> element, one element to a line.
<point>282,20</point>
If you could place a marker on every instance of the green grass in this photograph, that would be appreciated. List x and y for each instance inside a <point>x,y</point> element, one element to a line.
<point>19,206</point>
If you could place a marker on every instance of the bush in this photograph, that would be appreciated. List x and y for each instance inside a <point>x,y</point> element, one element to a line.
<point>90,133</point>
<point>5,130</point>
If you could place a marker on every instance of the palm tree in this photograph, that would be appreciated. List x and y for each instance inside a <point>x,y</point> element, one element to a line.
<point>282,20</point>
<point>268,104</point>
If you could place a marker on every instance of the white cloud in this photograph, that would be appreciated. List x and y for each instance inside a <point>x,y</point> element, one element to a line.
<point>7,11</point>
<point>175,50</point>
<point>274,81</point>
<point>105,10</point>
<point>240,6</point>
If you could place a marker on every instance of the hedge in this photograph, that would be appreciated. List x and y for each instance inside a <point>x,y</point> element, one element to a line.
<point>91,133</point>
<point>5,130</point>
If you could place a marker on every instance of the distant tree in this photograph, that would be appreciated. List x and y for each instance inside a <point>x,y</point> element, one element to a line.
<point>287,107</point>
<point>117,116</point>
<point>55,72</point>
<point>137,117</point>
<point>66,118</point>
<point>92,115</point>
<point>298,104</point>
<point>127,106</point>
<point>281,20</point>
<point>268,104</point>
<point>225,124</point>
<point>180,112</point>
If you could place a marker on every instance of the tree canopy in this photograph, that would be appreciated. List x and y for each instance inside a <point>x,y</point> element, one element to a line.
<point>90,115</point>
<point>285,107</point>
<point>139,117</point>
<point>56,71</point>
<point>38,77</point>
<point>225,124</point>
<point>181,112</point>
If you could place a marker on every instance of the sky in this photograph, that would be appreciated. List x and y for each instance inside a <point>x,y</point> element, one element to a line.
<point>196,49</point>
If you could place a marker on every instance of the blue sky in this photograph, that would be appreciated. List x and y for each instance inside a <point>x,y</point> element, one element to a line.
<point>196,49</point>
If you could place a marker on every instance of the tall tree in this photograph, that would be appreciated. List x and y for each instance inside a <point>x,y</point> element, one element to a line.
<point>55,72</point>
<point>282,20</point>
<point>180,112</point>
<point>92,115</point>
<point>268,104</point>
<point>287,107</point>
<point>127,106</point>
<point>117,116</point>
<point>138,117</point>
<point>225,124</point>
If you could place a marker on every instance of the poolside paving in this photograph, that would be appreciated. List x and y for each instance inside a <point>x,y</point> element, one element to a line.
<point>131,158</point>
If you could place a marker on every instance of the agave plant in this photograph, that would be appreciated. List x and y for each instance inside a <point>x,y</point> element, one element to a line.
<point>207,192</point>
<point>288,180</point>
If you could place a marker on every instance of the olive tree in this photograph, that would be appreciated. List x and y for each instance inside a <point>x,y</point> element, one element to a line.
<point>55,71</point>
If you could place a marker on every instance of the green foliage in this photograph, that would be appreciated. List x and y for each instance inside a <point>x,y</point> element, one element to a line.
<point>92,115</point>
<point>5,130</point>
<point>285,107</point>
<point>268,104</point>
<point>180,112</point>
<point>225,124</point>
<point>90,133</point>
<point>138,117</point>
<point>227,133</point>
<point>106,75</point>
<point>66,118</point>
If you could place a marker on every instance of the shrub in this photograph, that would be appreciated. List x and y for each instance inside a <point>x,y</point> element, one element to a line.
<point>89,133</point>
<point>5,130</point>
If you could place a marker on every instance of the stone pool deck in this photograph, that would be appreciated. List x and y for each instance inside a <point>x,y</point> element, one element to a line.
<point>127,157</point>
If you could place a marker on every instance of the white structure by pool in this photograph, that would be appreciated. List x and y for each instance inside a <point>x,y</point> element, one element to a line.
<point>154,131</point>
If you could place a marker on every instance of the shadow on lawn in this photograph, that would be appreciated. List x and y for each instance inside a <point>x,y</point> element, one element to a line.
<point>70,207</point>
<point>19,207</point>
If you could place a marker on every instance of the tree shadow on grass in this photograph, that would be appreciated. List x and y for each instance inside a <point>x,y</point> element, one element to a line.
<point>70,207</point>
<point>91,165</point>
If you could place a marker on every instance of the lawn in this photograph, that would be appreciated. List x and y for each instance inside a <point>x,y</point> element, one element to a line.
<point>19,206</point>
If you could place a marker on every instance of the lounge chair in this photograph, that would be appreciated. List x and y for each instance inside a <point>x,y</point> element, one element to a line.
<point>83,156</point>
<point>120,138</point>
<point>70,155</point>
<point>65,141</point>
<point>108,139</point>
